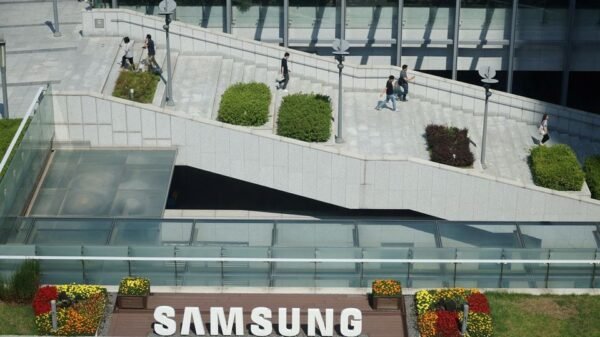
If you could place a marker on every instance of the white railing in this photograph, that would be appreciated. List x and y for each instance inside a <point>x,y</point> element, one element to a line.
<point>13,143</point>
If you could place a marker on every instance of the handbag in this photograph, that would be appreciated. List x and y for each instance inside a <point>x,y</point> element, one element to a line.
<point>541,130</point>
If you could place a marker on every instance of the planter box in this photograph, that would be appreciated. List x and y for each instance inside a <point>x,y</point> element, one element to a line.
<point>132,302</point>
<point>387,302</point>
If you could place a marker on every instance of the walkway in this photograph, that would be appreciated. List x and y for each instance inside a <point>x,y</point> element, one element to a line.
<point>375,323</point>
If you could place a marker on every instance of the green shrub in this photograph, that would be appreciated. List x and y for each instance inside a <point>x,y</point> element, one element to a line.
<point>23,284</point>
<point>556,167</point>
<point>449,145</point>
<point>245,104</point>
<point>305,117</point>
<point>143,83</point>
<point>8,129</point>
<point>592,175</point>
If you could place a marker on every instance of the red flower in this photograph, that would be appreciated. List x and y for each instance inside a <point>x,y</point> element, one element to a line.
<point>447,323</point>
<point>41,301</point>
<point>478,303</point>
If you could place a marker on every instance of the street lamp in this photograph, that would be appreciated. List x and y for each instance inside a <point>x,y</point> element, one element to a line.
<point>487,74</point>
<point>56,26</point>
<point>340,50</point>
<point>3,71</point>
<point>166,8</point>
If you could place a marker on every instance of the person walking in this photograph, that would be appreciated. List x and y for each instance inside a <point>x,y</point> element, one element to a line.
<point>285,72</point>
<point>127,46</point>
<point>389,92</point>
<point>150,60</point>
<point>543,129</point>
<point>403,82</point>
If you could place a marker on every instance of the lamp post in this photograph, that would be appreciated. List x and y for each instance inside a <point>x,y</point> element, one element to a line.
<point>487,74</point>
<point>3,71</point>
<point>166,8</point>
<point>55,10</point>
<point>340,48</point>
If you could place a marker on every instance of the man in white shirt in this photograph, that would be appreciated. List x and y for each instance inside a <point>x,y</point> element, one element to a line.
<point>127,46</point>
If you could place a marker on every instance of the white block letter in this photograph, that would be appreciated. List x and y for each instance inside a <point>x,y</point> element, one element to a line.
<point>351,327</point>
<point>315,318</point>
<point>262,326</point>
<point>283,329</point>
<point>217,318</point>
<point>164,326</point>
<point>192,315</point>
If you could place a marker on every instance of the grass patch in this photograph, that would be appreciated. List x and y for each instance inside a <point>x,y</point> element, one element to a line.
<point>305,117</point>
<point>245,104</point>
<point>143,83</point>
<point>17,319</point>
<point>449,145</point>
<point>592,175</point>
<point>556,167</point>
<point>545,316</point>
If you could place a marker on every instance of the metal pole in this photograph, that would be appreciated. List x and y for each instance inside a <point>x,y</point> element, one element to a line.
<point>567,54</point>
<point>56,28</point>
<point>170,101</point>
<point>399,33</point>
<point>511,47</point>
<point>342,19</point>
<point>455,43</point>
<point>5,113</point>
<point>488,93</point>
<point>340,139</point>
<point>228,14</point>
<point>466,317</point>
<point>286,23</point>
<point>54,319</point>
<point>115,4</point>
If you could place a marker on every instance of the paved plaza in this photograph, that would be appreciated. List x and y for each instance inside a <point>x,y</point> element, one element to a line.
<point>73,62</point>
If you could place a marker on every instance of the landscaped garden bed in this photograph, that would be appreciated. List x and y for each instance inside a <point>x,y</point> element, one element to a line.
<point>305,117</point>
<point>143,85</point>
<point>592,175</point>
<point>245,104</point>
<point>386,295</point>
<point>449,145</point>
<point>8,129</point>
<point>133,293</point>
<point>80,309</point>
<point>440,312</point>
<point>556,167</point>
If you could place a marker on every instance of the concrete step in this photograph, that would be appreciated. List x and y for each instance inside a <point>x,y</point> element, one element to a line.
<point>249,73</point>
<point>237,72</point>
<point>161,89</point>
<point>223,84</point>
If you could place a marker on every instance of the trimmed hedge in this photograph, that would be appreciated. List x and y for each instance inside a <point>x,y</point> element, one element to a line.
<point>143,83</point>
<point>556,167</point>
<point>305,117</point>
<point>592,175</point>
<point>245,104</point>
<point>449,145</point>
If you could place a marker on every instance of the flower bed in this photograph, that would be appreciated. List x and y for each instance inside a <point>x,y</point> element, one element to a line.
<point>449,145</point>
<point>245,104</point>
<point>556,167</point>
<point>592,175</point>
<point>386,288</point>
<point>305,117</point>
<point>80,309</point>
<point>440,312</point>
<point>143,84</point>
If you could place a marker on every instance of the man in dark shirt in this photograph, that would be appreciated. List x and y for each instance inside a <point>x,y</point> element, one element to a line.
<point>151,61</point>
<point>285,72</point>
<point>389,94</point>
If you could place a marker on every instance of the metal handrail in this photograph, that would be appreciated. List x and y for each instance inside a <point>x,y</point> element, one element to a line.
<point>28,114</point>
<point>293,260</point>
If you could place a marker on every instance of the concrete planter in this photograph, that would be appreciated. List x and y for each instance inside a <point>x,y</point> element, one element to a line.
<point>387,302</point>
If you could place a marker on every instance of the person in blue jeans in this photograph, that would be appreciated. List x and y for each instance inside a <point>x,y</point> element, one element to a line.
<point>403,82</point>
<point>389,94</point>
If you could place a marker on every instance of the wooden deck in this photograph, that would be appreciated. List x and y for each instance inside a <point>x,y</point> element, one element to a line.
<point>375,323</point>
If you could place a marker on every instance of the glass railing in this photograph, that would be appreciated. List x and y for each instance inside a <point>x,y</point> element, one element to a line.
<point>17,184</point>
<point>309,253</point>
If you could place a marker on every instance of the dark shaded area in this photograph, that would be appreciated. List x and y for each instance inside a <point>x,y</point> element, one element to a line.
<point>542,85</point>
<point>192,188</point>
<point>583,90</point>
<point>472,77</point>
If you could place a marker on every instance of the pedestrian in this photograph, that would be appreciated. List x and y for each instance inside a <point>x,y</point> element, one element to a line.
<point>403,82</point>
<point>389,92</point>
<point>151,61</point>
<point>285,72</point>
<point>543,129</point>
<point>127,46</point>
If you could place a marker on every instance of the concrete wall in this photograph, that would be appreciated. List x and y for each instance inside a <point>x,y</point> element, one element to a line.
<point>191,38</point>
<point>312,170</point>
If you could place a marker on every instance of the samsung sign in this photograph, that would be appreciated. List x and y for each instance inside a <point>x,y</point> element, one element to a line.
<point>233,324</point>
